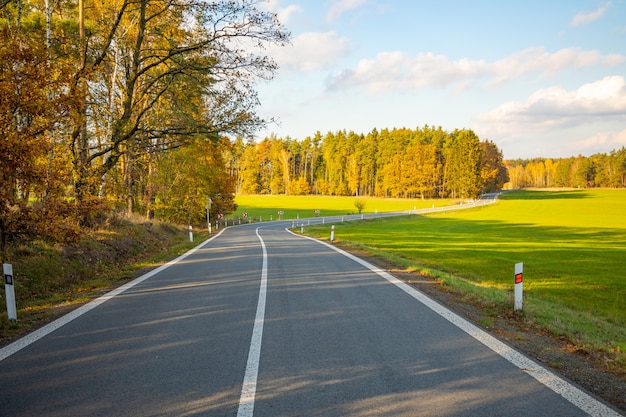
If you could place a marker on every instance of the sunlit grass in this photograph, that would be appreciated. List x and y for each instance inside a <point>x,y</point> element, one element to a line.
<point>267,206</point>
<point>572,244</point>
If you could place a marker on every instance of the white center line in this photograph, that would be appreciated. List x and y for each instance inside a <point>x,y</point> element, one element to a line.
<point>248,390</point>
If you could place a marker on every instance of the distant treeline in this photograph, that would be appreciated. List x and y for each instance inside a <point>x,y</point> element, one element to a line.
<point>425,162</point>
<point>600,170</point>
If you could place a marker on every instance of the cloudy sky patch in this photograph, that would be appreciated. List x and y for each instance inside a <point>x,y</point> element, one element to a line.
<point>364,64</point>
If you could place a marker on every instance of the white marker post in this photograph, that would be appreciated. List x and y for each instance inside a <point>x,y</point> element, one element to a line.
<point>208,213</point>
<point>519,278</point>
<point>190,233</point>
<point>332,233</point>
<point>9,291</point>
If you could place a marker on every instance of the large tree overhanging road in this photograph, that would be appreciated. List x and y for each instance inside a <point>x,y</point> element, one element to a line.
<point>259,321</point>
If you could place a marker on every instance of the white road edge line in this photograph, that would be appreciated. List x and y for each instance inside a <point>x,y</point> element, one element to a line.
<point>574,395</point>
<point>248,390</point>
<point>20,344</point>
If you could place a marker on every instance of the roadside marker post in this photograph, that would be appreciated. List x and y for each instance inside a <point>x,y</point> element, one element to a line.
<point>519,282</point>
<point>9,291</point>
<point>190,233</point>
<point>332,233</point>
<point>208,213</point>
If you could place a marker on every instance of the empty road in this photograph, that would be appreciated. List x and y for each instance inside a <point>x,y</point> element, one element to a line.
<point>258,321</point>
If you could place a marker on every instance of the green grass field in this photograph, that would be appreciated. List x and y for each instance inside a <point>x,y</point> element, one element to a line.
<point>572,244</point>
<point>305,206</point>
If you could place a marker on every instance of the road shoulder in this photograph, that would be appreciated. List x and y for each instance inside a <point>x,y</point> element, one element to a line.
<point>554,353</point>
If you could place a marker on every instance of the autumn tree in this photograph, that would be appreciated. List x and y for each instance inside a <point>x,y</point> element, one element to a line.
<point>29,109</point>
<point>158,73</point>
<point>94,96</point>
<point>462,169</point>
<point>390,163</point>
<point>493,173</point>
<point>187,177</point>
<point>359,204</point>
<point>599,170</point>
<point>249,173</point>
<point>311,159</point>
<point>391,147</point>
<point>335,152</point>
<point>420,170</point>
<point>299,187</point>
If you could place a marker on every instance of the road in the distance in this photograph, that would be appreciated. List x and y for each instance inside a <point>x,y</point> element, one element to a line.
<point>337,340</point>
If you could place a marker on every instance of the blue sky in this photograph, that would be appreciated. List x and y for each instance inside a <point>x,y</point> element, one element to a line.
<point>539,78</point>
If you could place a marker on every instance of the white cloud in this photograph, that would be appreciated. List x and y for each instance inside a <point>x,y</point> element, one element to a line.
<point>398,71</point>
<point>586,18</point>
<point>283,13</point>
<point>312,51</point>
<point>340,7</point>
<point>547,109</point>
<point>600,142</point>
<point>549,64</point>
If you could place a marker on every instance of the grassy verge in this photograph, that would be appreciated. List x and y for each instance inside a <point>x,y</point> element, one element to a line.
<point>572,244</point>
<point>51,279</point>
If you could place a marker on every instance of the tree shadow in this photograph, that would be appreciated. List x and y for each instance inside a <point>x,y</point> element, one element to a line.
<point>546,195</point>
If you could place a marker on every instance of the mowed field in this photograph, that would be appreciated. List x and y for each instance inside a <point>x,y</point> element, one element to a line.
<point>295,207</point>
<point>572,244</point>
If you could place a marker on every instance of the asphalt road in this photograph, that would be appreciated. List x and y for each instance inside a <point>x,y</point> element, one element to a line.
<point>259,321</point>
